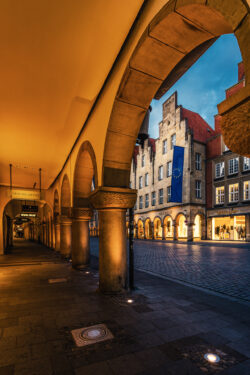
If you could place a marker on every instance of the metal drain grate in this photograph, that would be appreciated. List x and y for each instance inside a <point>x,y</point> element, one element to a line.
<point>91,335</point>
<point>58,280</point>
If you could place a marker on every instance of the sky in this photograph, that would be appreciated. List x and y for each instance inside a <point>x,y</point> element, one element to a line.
<point>203,86</point>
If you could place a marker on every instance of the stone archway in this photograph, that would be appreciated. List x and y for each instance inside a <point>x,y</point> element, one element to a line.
<point>140,229</point>
<point>65,220</point>
<point>181,227</point>
<point>157,229</point>
<point>171,43</point>
<point>84,174</point>
<point>56,222</point>
<point>168,227</point>
<point>197,227</point>
<point>148,229</point>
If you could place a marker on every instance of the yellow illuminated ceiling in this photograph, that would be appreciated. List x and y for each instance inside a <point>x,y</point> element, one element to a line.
<point>55,56</point>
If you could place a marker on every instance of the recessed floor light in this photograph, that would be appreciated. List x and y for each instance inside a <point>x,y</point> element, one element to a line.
<point>87,272</point>
<point>211,357</point>
<point>130,301</point>
<point>91,335</point>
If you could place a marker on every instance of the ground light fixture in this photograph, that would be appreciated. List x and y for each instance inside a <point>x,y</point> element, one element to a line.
<point>212,358</point>
<point>87,272</point>
<point>130,301</point>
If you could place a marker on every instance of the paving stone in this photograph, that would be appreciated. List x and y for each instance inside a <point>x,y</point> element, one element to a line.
<point>101,368</point>
<point>149,338</point>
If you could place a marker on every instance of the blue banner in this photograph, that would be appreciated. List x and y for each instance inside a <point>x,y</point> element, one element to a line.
<point>177,175</point>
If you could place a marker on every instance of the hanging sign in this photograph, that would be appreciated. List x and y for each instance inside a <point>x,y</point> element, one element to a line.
<point>25,194</point>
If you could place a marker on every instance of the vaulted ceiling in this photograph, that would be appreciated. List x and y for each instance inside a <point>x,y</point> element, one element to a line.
<point>55,56</point>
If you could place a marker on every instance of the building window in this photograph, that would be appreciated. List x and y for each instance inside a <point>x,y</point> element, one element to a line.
<point>140,202</point>
<point>246,164</point>
<point>169,168</point>
<point>197,188</point>
<point>173,141</point>
<point>234,192</point>
<point>160,196</point>
<point>246,190</point>
<point>164,146</point>
<point>146,179</point>
<point>146,200</point>
<point>233,166</point>
<point>219,169</point>
<point>226,148</point>
<point>160,173</point>
<point>220,195</point>
<point>169,193</point>
<point>143,160</point>
<point>130,185</point>
<point>153,198</point>
<point>197,161</point>
<point>140,182</point>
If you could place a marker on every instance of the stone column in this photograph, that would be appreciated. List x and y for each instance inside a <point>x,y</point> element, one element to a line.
<point>80,237</point>
<point>65,236</point>
<point>152,230</point>
<point>44,233</point>
<point>175,229</point>
<point>57,232</point>
<point>135,231</point>
<point>190,231</point>
<point>247,228</point>
<point>164,231</point>
<point>112,204</point>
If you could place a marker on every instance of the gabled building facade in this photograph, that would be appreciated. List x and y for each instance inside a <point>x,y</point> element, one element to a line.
<point>228,184</point>
<point>155,216</point>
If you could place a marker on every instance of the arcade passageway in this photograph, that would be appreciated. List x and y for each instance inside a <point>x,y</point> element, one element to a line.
<point>167,329</point>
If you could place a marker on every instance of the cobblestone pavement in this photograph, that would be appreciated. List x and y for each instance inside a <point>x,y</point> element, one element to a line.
<point>221,268</point>
<point>166,330</point>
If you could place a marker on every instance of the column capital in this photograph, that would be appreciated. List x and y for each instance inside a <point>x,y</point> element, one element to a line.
<point>113,198</point>
<point>81,213</point>
<point>65,220</point>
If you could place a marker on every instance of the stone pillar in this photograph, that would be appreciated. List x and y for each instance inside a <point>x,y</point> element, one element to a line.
<point>153,230</point>
<point>57,233</point>
<point>190,231</point>
<point>112,204</point>
<point>80,237</point>
<point>247,218</point>
<point>65,236</point>
<point>135,231</point>
<point>164,231</point>
<point>44,233</point>
<point>175,230</point>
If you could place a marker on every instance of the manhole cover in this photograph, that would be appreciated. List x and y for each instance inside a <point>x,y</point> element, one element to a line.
<point>91,335</point>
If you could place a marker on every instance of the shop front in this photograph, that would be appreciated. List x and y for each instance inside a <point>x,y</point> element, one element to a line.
<point>232,228</point>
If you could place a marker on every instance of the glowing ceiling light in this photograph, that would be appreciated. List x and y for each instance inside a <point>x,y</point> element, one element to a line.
<point>213,358</point>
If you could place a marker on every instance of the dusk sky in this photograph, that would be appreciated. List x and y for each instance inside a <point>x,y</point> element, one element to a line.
<point>203,86</point>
